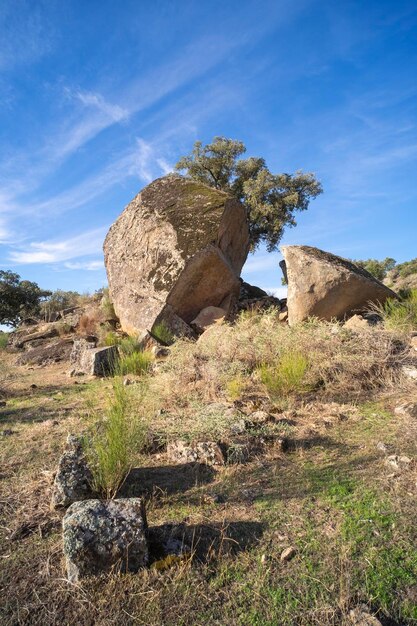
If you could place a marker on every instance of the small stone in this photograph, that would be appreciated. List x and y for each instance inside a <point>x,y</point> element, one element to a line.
<point>3,403</point>
<point>160,352</point>
<point>104,537</point>
<point>259,417</point>
<point>7,432</point>
<point>238,427</point>
<point>288,554</point>
<point>127,382</point>
<point>408,409</point>
<point>398,462</point>
<point>382,447</point>
<point>208,452</point>
<point>361,616</point>
<point>410,372</point>
<point>414,342</point>
<point>33,386</point>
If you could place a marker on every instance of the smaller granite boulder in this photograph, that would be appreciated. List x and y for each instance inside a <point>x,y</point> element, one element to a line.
<point>93,361</point>
<point>102,537</point>
<point>73,478</point>
<point>207,317</point>
<point>326,286</point>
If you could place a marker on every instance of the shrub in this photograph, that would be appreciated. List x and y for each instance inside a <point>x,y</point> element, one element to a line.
<point>4,338</point>
<point>287,376</point>
<point>162,332</point>
<point>135,363</point>
<point>129,345</point>
<point>399,315</point>
<point>88,323</point>
<point>235,387</point>
<point>111,339</point>
<point>114,441</point>
<point>107,307</point>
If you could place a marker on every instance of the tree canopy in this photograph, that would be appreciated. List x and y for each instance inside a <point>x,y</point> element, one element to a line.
<point>270,199</point>
<point>379,269</point>
<point>18,298</point>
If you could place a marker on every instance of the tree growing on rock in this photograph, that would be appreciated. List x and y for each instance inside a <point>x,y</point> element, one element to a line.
<point>270,199</point>
<point>18,298</point>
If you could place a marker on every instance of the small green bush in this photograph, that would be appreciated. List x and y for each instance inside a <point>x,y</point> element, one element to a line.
<point>129,345</point>
<point>107,307</point>
<point>114,441</point>
<point>111,339</point>
<point>399,315</point>
<point>4,338</point>
<point>287,376</point>
<point>135,363</point>
<point>162,332</point>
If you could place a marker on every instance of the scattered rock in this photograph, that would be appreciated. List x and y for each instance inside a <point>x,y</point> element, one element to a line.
<point>160,352</point>
<point>7,432</point>
<point>93,361</point>
<point>288,554</point>
<point>361,616</point>
<point>382,447</point>
<point>398,462</point>
<point>410,372</point>
<point>358,322</point>
<point>207,317</point>
<point>283,315</point>
<point>73,478</point>
<point>238,427</point>
<point>104,537</point>
<point>33,386</point>
<point>209,452</point>
<point>413,342</point>
<point>3,403</point>
<point>205,244</point>
<point>47,353</point>
<point>409,409</point>
<point>259,417</point>
<point>326,286</point>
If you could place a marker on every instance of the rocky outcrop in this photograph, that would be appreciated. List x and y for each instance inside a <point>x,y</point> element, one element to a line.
<point>104,536</point>
<point>326,286</point>
<point>178,247</point>
<point>179,451</point>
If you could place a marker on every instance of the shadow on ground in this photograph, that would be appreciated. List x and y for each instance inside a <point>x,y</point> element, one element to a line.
<point>165,480</point>
<point>203,541</point>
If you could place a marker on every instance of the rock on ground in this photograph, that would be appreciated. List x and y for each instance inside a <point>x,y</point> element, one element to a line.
<point>209,452</point>
<point>87,359</point>
<point>101,537</point>
<point>326,286</point>
<point>73,478</point>
<point>180,244</point>
<point>207,317</point>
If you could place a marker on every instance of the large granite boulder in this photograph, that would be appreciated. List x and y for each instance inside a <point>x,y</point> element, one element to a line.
<point>177,248</point>
<point>104,537</point>
<point>327,286</point>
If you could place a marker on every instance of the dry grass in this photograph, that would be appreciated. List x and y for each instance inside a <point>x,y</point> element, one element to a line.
<point>331,495</point>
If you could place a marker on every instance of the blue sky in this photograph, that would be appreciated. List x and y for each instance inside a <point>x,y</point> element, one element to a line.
<point>98,98</point>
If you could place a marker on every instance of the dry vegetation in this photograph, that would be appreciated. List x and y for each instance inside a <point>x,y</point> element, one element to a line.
<point>329,392</point>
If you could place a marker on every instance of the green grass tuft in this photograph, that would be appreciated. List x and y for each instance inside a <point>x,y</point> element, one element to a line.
<point>162,332</point>
<point>399,315</point>
<point>113,442</point>
<point>135,363</point>
<point>287,376</point>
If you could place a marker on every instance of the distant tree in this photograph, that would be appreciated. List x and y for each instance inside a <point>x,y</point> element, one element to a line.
<point>379,269</point>
<point>57,301</point>
<point>18,298</point>
<point>270,199</point>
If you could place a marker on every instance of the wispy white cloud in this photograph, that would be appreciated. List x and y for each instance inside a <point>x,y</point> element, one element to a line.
<point>57,251</point>
<point>90,266</point>
<point>115,112</point>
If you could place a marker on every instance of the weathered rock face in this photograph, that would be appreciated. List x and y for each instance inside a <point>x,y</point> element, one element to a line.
<point>326,286</point>
<point>180,244</point>
<point>104,536</point>
<point>73,478</point>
